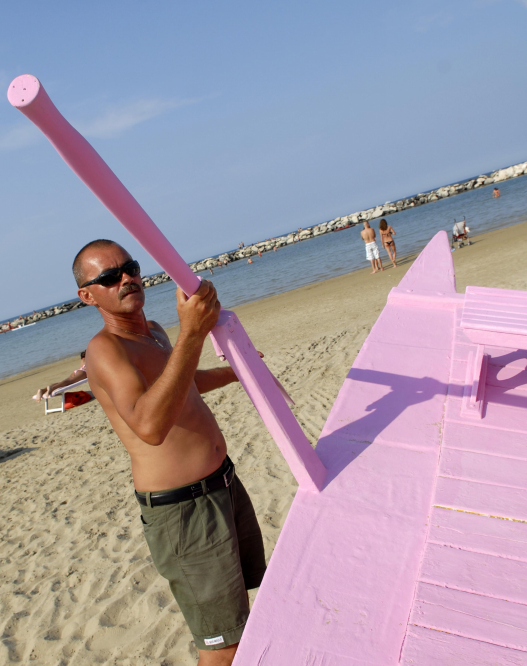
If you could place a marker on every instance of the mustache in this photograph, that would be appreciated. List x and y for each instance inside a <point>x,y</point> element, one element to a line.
<point>127,289</point>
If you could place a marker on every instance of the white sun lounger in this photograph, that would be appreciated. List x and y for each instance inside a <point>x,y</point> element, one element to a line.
<point>61,391</point>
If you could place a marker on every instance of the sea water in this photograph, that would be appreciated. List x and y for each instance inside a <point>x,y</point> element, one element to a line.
<point>290,267</point>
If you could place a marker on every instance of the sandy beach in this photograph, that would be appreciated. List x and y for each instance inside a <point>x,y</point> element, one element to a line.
<point>77,582</point>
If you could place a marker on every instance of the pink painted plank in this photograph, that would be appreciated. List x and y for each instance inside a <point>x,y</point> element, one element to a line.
<point>471,615</point>
<point>499,355</point>
<point>500,337</point>
<point>486,468</point>
<point>498,324</point>
<point>504,538</point>
<point>485,440</point>
<point>489,314</point>
<point>481,498</point>
<point>477,573</point>
<point>393,397</point>
<point>514,398</point>
<point>426,647</point>
<point>501,412</point>
<point>487,309</point>
<point>492,294</point>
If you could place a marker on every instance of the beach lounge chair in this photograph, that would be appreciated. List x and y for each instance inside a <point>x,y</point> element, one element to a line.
<point>62,392</point>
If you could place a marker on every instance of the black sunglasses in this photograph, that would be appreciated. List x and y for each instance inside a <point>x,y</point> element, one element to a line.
<point>113,275</point>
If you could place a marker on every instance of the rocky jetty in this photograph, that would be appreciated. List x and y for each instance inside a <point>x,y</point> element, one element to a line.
<point>301,234</point>
<point>360,216</point>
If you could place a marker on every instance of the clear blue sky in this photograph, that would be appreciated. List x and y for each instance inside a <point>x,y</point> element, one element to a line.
<point>236,120</point>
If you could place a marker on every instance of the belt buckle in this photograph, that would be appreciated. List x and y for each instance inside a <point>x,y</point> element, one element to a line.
<point>198,492</point>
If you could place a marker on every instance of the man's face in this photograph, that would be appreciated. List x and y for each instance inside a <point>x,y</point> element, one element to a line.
<point>124,297</point>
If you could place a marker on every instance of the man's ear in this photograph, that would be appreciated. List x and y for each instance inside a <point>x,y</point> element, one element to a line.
<point>86,297</point>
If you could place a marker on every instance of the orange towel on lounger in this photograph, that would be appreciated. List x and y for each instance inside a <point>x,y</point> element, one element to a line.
<point>75,399</point>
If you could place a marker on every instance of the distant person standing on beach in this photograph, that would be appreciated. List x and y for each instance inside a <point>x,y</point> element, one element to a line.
<point>372,251</point>
<point>496,193</point>
<point>198,519</point>
<point>386,232</point>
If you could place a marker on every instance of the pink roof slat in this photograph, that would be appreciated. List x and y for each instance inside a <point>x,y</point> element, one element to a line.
<point>488,312</point>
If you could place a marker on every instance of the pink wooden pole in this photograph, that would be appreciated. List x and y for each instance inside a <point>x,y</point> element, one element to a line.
<point>27,94</point>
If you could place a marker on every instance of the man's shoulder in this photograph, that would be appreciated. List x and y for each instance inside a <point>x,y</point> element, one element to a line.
<point>102,347</point>
<point>107,357</point>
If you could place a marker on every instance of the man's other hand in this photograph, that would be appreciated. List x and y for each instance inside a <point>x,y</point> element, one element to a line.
<point>199,313</point>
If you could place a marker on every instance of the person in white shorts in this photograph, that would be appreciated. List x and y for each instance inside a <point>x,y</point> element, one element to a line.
<point>372,251</point>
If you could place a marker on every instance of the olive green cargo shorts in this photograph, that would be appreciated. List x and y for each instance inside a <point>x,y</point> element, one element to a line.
<point>210,549</point>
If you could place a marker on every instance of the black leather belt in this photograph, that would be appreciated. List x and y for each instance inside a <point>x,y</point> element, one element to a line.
<point>190,492</point>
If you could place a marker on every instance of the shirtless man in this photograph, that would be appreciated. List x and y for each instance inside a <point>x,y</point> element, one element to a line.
<point>372,251</point>
<point>198,520</point>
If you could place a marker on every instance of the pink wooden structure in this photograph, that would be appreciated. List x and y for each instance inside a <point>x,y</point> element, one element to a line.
<point>415,552</point>
<point>229,338</point>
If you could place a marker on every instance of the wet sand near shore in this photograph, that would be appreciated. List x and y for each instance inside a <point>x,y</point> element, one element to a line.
<point>78,585</point>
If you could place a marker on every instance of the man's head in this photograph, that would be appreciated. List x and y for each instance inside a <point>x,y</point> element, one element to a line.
<point>125,296</point>
<point>366,224</point>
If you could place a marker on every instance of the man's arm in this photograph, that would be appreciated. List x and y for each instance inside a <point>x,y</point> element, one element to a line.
<point>75,377</point>
<point>150,411</point>
<point>214,378</point>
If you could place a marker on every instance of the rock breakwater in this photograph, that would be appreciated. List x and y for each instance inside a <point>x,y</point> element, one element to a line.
<point>296,236</point>
<point>360,216</point>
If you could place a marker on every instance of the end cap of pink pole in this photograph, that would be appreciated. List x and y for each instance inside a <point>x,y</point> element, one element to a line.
<point>23,90</point>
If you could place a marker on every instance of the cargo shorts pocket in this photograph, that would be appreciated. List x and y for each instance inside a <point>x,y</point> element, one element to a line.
<point>206,522</point>
<point>161,527</point>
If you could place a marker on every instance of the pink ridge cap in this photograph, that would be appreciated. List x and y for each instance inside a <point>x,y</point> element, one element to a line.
<point>433,270</point>
<point>23,90</point>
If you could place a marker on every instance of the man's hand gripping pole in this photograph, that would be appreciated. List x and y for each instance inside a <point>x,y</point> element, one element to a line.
<point>229,337</point>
